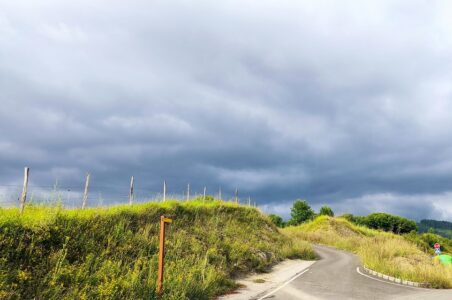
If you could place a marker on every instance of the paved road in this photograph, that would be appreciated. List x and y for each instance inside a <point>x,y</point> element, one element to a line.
<point>335,276</point>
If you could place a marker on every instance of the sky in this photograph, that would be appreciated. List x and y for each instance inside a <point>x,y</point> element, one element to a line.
<point>342,104</point>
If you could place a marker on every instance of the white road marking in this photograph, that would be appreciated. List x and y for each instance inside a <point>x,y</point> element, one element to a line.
<point>286,283</point>
<point>384,281</point>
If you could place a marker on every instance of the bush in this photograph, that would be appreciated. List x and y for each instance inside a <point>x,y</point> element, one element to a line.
<point>387,222</point>
<point>349,217</point>
<point>326,211</point>
<point>383,221</point>
<point>277,220</point>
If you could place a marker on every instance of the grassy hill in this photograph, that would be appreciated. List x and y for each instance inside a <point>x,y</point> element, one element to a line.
<point>112,253</point>
<point>405,257</point>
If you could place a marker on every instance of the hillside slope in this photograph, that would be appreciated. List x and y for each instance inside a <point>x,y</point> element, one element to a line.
<point>112,253</point>
<point>388,253</point>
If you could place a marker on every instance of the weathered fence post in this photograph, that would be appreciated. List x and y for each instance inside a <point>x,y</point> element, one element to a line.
<point>237,195</point>
<point>23,198</point>
<point>188,192</point>
<point>131,192</point>
<point>249,200</point>
<point>85,194</point>
<point>219,193</point>
<point>164,190</point>
<point>163,221</point>
<point>204,196</point>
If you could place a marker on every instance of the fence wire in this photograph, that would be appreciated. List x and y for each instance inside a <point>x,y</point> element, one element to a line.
<point>98,196</point>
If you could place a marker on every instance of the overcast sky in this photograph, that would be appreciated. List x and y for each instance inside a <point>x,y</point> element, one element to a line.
<point>340,103</point>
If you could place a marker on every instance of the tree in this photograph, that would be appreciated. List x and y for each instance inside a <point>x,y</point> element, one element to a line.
<point>277,220</point>
<point>326,211</point>
<point>301,212</point>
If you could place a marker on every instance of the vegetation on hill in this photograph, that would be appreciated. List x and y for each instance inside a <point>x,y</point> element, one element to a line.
<point>385,222</point>
<point>425,242</point>
<point>442,228</point>
<point>401,256</point>
<point>301,212</point>
<point>326,211</point>
<point>112,253</point>
<point>277,220</point>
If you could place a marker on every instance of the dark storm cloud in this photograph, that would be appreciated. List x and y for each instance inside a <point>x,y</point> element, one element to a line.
<point>346,105</point>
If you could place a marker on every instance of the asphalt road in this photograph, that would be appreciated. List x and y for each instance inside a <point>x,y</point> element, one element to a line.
<point>335,276</point>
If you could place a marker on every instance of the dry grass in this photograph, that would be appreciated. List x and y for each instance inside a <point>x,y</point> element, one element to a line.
<point>381,251</point>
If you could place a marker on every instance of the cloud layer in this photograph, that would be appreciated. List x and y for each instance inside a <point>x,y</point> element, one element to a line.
<point>339,104</point>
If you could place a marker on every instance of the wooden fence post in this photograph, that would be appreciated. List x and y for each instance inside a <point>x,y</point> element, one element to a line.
<point>164,190</point>
<point>188,192</point>
<point>237,195</point>
<point>249,200</point>
<point>131,191</point>
<point>23,198</point>
<point>85,194</point>
<point>204,196</point>
<point>219,193</point>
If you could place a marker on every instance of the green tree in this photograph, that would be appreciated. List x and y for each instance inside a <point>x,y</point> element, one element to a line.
<point>326,211</point>
<point>301,212</point>
<point>277,220</point>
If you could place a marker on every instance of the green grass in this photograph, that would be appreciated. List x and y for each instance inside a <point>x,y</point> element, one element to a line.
<point>112,253</point>
<point>388,253</point>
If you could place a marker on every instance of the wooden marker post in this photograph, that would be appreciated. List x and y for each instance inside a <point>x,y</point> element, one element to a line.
<point>219,194</point>
<point>188,192</point>
<point>249,200</point>
<point>237,195</point>
<point>131,191</point>
<point>85,194</point>
<point>163,221</point>
<point>23,198</point>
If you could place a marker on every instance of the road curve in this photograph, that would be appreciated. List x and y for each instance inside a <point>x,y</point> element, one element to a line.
<point>335,276</point>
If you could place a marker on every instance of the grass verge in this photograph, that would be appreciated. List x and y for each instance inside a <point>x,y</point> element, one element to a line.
<point>384,252</point>
<point>112,253</point>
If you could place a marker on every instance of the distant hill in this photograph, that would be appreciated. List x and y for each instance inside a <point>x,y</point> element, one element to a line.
<point>442,228</point>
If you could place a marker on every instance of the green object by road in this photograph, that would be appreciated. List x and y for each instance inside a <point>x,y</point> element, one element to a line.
<point>445,259</point>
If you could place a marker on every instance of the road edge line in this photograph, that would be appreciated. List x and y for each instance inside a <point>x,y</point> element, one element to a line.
<point>384,281</point>
<point>284,284</point>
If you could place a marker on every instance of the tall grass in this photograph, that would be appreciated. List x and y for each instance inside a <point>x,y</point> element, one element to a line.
<point>381,251</point>
<point>112,253</point>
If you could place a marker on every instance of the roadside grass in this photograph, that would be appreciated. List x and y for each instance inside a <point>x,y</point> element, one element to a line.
<point>112,253</point>
<point>384,252</point>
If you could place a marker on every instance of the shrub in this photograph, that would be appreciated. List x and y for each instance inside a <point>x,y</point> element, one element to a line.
<point>386,222</point>
<point>277,220</point>
<point>326,211</point>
